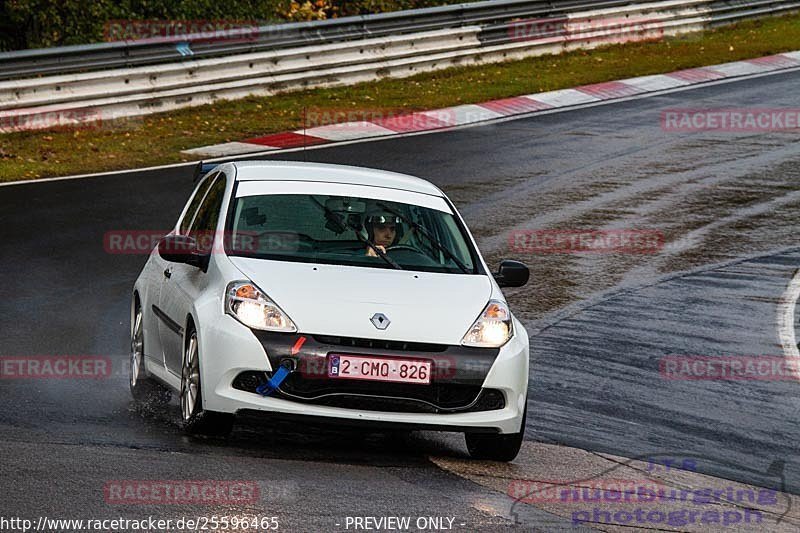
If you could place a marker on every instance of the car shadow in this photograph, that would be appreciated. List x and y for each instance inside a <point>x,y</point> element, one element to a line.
<point>257,436</point>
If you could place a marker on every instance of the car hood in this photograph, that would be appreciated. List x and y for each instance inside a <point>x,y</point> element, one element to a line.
<point>340,300</point>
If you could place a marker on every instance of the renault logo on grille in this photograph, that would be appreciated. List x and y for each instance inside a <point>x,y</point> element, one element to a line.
<point>380,321</point>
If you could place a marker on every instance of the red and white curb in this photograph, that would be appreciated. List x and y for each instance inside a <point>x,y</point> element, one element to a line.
<point>449,117</point>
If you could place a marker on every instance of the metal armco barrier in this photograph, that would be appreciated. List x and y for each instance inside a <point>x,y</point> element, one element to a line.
<point>122,79</point>
<point>103,56</point>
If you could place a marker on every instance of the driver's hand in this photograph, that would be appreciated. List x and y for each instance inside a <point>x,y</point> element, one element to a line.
<point>371,252</point>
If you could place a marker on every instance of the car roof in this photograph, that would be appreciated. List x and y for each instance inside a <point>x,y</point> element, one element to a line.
<point>297,171</point>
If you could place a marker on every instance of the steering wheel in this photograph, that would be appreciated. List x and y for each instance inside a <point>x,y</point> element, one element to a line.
<point>403,248</point>
<point>420,258</point>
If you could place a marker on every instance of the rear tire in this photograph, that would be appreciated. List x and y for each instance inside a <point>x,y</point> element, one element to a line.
<point>504,447</point>
<point>196,420</point>
<point>145,390</point>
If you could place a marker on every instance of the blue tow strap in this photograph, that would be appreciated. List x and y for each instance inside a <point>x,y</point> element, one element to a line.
<point>277,378</point>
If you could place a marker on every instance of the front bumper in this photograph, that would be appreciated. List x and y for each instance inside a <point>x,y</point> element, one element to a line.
<point>471,389</point>
<point>457,375</point>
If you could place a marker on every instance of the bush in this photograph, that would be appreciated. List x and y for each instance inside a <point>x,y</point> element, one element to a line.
<point>325,9</point>
<point>363,7</point>
<point>45,23</point>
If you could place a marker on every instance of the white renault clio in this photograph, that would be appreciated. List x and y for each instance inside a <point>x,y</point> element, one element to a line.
<point>337,293</point>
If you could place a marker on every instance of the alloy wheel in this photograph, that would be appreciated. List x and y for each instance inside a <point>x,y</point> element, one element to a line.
<point>137,348</point>
<point>190,378</point>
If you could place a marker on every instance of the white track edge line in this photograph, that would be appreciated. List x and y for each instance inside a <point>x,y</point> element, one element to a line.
<point>786,317</point>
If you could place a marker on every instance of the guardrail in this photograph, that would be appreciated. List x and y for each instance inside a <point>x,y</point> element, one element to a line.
<point>335,52</point>
<point>65,60</point>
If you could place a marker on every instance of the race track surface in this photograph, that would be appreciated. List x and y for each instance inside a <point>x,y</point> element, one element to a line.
<point>600,323</point>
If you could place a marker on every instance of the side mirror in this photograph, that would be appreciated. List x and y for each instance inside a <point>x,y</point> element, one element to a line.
<point>512,274</point>
<point>182,249</point>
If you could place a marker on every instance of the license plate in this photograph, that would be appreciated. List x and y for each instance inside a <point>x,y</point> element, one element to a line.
<point>379,369</point>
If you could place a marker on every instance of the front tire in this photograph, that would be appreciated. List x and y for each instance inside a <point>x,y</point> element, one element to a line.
<point>503,447</point>
<point>196,420</point>
<point>144,389</point>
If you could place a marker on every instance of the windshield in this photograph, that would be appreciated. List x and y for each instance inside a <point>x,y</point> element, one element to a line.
<point>348,231</point>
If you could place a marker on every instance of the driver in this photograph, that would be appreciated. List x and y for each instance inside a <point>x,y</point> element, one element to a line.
<point>382,229</point>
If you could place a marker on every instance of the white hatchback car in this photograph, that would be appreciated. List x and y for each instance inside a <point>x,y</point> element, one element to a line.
<point>344,294</point>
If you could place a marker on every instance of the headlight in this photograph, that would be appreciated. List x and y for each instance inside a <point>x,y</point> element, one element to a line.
<point>250,306</point>
<point>492,329</point>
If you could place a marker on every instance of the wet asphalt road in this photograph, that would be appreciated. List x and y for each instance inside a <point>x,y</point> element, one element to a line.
<point>602,359</point>
<point>715,196</point>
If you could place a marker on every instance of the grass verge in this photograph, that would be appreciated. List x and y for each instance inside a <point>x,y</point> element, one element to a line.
<point>159,139</point>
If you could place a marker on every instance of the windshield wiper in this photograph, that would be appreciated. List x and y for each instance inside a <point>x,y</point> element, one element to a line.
<point>427,235</point>
<point>334,217</point>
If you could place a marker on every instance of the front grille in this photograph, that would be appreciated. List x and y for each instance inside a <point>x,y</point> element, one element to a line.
<point>379,396</point>
<point>377,344</point>
<point>387,405</point>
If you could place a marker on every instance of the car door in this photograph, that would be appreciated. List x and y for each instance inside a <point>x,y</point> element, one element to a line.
<point>163,268</point>
<point>181,282</point>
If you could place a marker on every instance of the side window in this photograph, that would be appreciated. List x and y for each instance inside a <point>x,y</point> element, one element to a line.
<point>195,203</point>
<point>208,213</point>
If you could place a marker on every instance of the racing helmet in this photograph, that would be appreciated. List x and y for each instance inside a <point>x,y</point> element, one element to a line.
<point>377,213</point>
